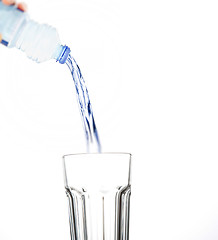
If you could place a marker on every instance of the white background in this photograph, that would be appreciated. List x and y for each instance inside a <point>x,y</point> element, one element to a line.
<point>151,68</point>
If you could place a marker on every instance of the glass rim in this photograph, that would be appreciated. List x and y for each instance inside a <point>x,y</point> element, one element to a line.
<point>67,158</point>
<point>102,153</point>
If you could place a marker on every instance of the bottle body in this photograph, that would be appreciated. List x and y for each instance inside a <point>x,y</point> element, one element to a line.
<point>40,42</point>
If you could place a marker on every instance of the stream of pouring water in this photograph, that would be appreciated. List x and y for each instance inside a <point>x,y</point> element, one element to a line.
<point>91,132</point>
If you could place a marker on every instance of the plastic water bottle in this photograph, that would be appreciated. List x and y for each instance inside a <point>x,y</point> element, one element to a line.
<point>40,42</point>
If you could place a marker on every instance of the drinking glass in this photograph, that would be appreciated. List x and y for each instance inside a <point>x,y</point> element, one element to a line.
<point>98,189</point>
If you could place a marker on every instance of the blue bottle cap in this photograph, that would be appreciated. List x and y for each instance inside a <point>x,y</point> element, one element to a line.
<point>64,55</point>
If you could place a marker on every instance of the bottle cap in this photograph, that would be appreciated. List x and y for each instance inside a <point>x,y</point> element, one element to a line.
<point>64,55</point>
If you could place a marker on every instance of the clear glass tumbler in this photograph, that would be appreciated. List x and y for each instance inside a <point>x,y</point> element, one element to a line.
<point>98,189</point>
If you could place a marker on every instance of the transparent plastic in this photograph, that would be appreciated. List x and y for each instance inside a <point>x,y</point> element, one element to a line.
<point>40,42</point>
<point>98,188</point>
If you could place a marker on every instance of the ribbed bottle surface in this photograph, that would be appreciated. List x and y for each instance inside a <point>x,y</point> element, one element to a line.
<point>39,41</point>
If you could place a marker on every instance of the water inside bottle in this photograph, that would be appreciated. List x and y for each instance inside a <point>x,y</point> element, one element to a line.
<point>91,132</point>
